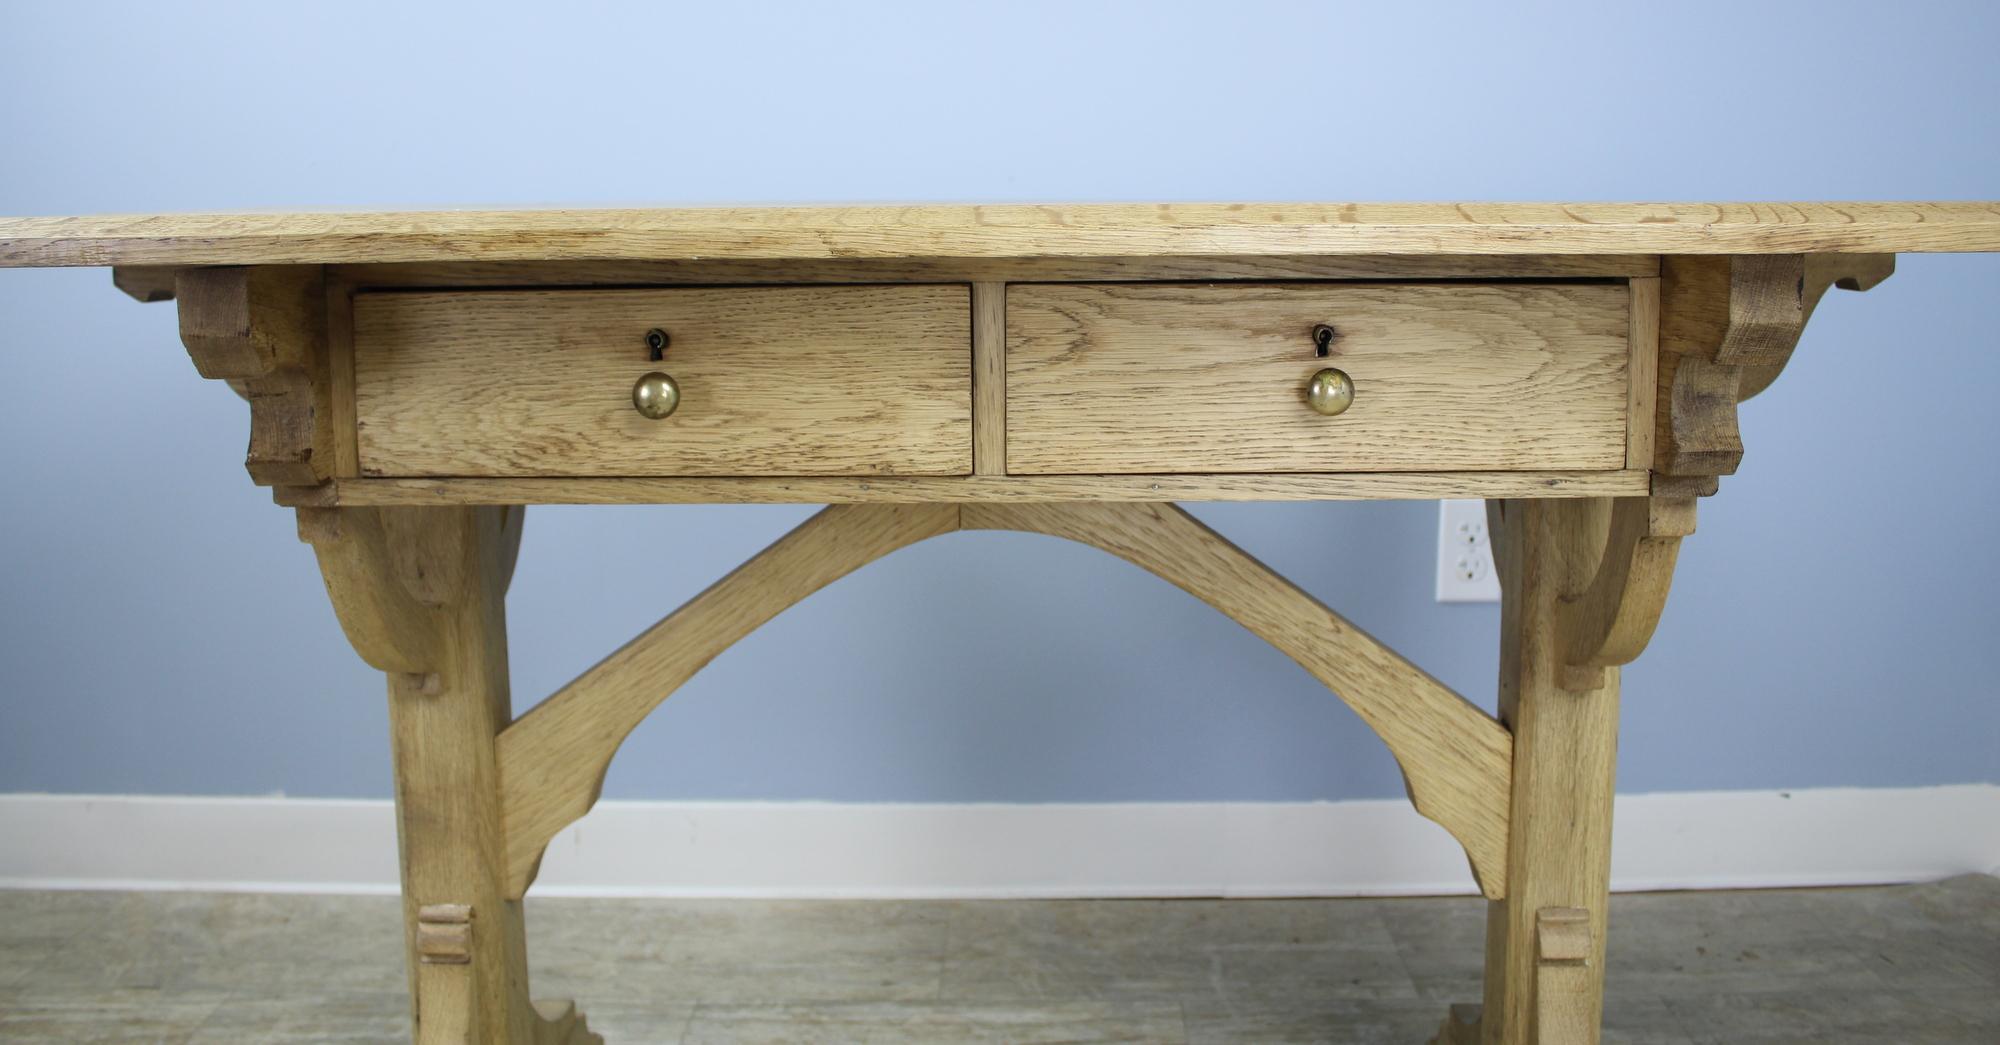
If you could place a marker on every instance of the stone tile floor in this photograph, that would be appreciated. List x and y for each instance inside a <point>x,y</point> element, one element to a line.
<point>1905,965</point>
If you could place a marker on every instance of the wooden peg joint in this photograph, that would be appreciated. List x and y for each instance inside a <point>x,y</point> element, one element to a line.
<point>444,934</point>
<point>1562,935</point>
<point>1563,949</point>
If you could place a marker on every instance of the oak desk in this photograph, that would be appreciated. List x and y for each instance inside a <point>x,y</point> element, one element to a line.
<point>415,380</point>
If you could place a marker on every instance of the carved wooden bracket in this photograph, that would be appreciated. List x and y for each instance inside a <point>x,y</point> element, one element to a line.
<point>264,331</point>
<point>1728,325</point>
<point>1607,619</point>
<point>390,571</point>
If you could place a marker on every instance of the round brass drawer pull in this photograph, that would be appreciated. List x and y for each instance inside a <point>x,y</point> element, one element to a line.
<point>656,395</point>
<point>1330,391</point>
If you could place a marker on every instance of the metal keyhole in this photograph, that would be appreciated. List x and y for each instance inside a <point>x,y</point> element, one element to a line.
<point>1323,336</point>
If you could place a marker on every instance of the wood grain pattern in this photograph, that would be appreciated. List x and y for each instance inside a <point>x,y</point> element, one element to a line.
<point>1565,1012</point>
<point>1823,272</point>
<point>989,378</point>
<point>1733,310</point>
<point>264,331</point>
<point>1608,621</point>
<point>774,381</point>
<point>1359,486</point>
<point>1642,380</point>
<point>998,270</point>
<point>1565,750</point>
<point>1695,431</point>
<point>342,426</point>
<point>442,575</point>
<point>1728,325</point>
<point>1210,378</point>
<point>1072,230</point>
<point>146,283</point>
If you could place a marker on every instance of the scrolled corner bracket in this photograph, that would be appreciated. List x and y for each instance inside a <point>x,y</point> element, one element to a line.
<point>1608,620</point>
<point>387,625</point>
<point>263,330</point>
<point>1823,272</point>
<point>1728,326</point>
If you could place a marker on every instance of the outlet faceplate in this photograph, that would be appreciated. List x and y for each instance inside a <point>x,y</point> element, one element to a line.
<point>1465,553</point>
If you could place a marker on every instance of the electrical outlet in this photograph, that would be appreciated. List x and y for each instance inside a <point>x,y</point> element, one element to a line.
<point>1465,553</point>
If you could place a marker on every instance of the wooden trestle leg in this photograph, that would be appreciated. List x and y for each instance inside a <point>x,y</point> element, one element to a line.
<point>1565,746</point>
<point>1582,585</point>
<point>420,594</point>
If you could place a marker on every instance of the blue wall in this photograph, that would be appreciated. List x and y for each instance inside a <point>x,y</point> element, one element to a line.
<point>162,631</point>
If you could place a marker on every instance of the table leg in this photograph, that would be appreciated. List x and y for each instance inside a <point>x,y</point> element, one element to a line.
<point>1545,941</point>
<point>420,592</point>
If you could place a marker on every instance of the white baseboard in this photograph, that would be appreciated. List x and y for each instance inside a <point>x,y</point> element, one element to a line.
<point>1706,840</point>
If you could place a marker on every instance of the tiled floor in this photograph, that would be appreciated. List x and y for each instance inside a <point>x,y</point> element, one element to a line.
<point>1904,965</point>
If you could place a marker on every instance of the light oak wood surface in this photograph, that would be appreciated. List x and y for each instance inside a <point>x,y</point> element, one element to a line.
<point>1015,230</point>
<point>1110,378</point>
<point>264,331</point>
<point>1565,748</point>
<point>989,378</point>
<point>978,489</point>
<point>421,593</point>
<point>414,379</point>
<point>854,380</point>
<point>973,270</point>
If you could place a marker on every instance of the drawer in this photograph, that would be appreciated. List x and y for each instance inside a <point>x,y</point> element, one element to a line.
<point>774,381</point>
<point>1105,378</point>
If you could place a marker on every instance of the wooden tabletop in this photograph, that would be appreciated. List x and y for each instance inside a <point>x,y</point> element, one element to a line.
<point>1004,231</point>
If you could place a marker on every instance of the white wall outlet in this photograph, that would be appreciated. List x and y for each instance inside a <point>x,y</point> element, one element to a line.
<point>1465,553</point>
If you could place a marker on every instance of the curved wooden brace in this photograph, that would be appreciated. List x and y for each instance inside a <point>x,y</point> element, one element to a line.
<point>390,571</point>
<point>552,760</point>
<point>1611,618</point>
<point>1457,760</point>
<point>388,626</point>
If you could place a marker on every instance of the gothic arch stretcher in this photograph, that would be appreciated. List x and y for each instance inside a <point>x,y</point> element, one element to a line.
<point>1456,759</point>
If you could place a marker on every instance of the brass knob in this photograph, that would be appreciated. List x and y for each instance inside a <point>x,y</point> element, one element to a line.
<point>656,395</point>
<point>1330,391</point>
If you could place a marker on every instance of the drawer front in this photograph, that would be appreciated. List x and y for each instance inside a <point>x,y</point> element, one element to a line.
<point>1110,378</point>
<point>774,381</point>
